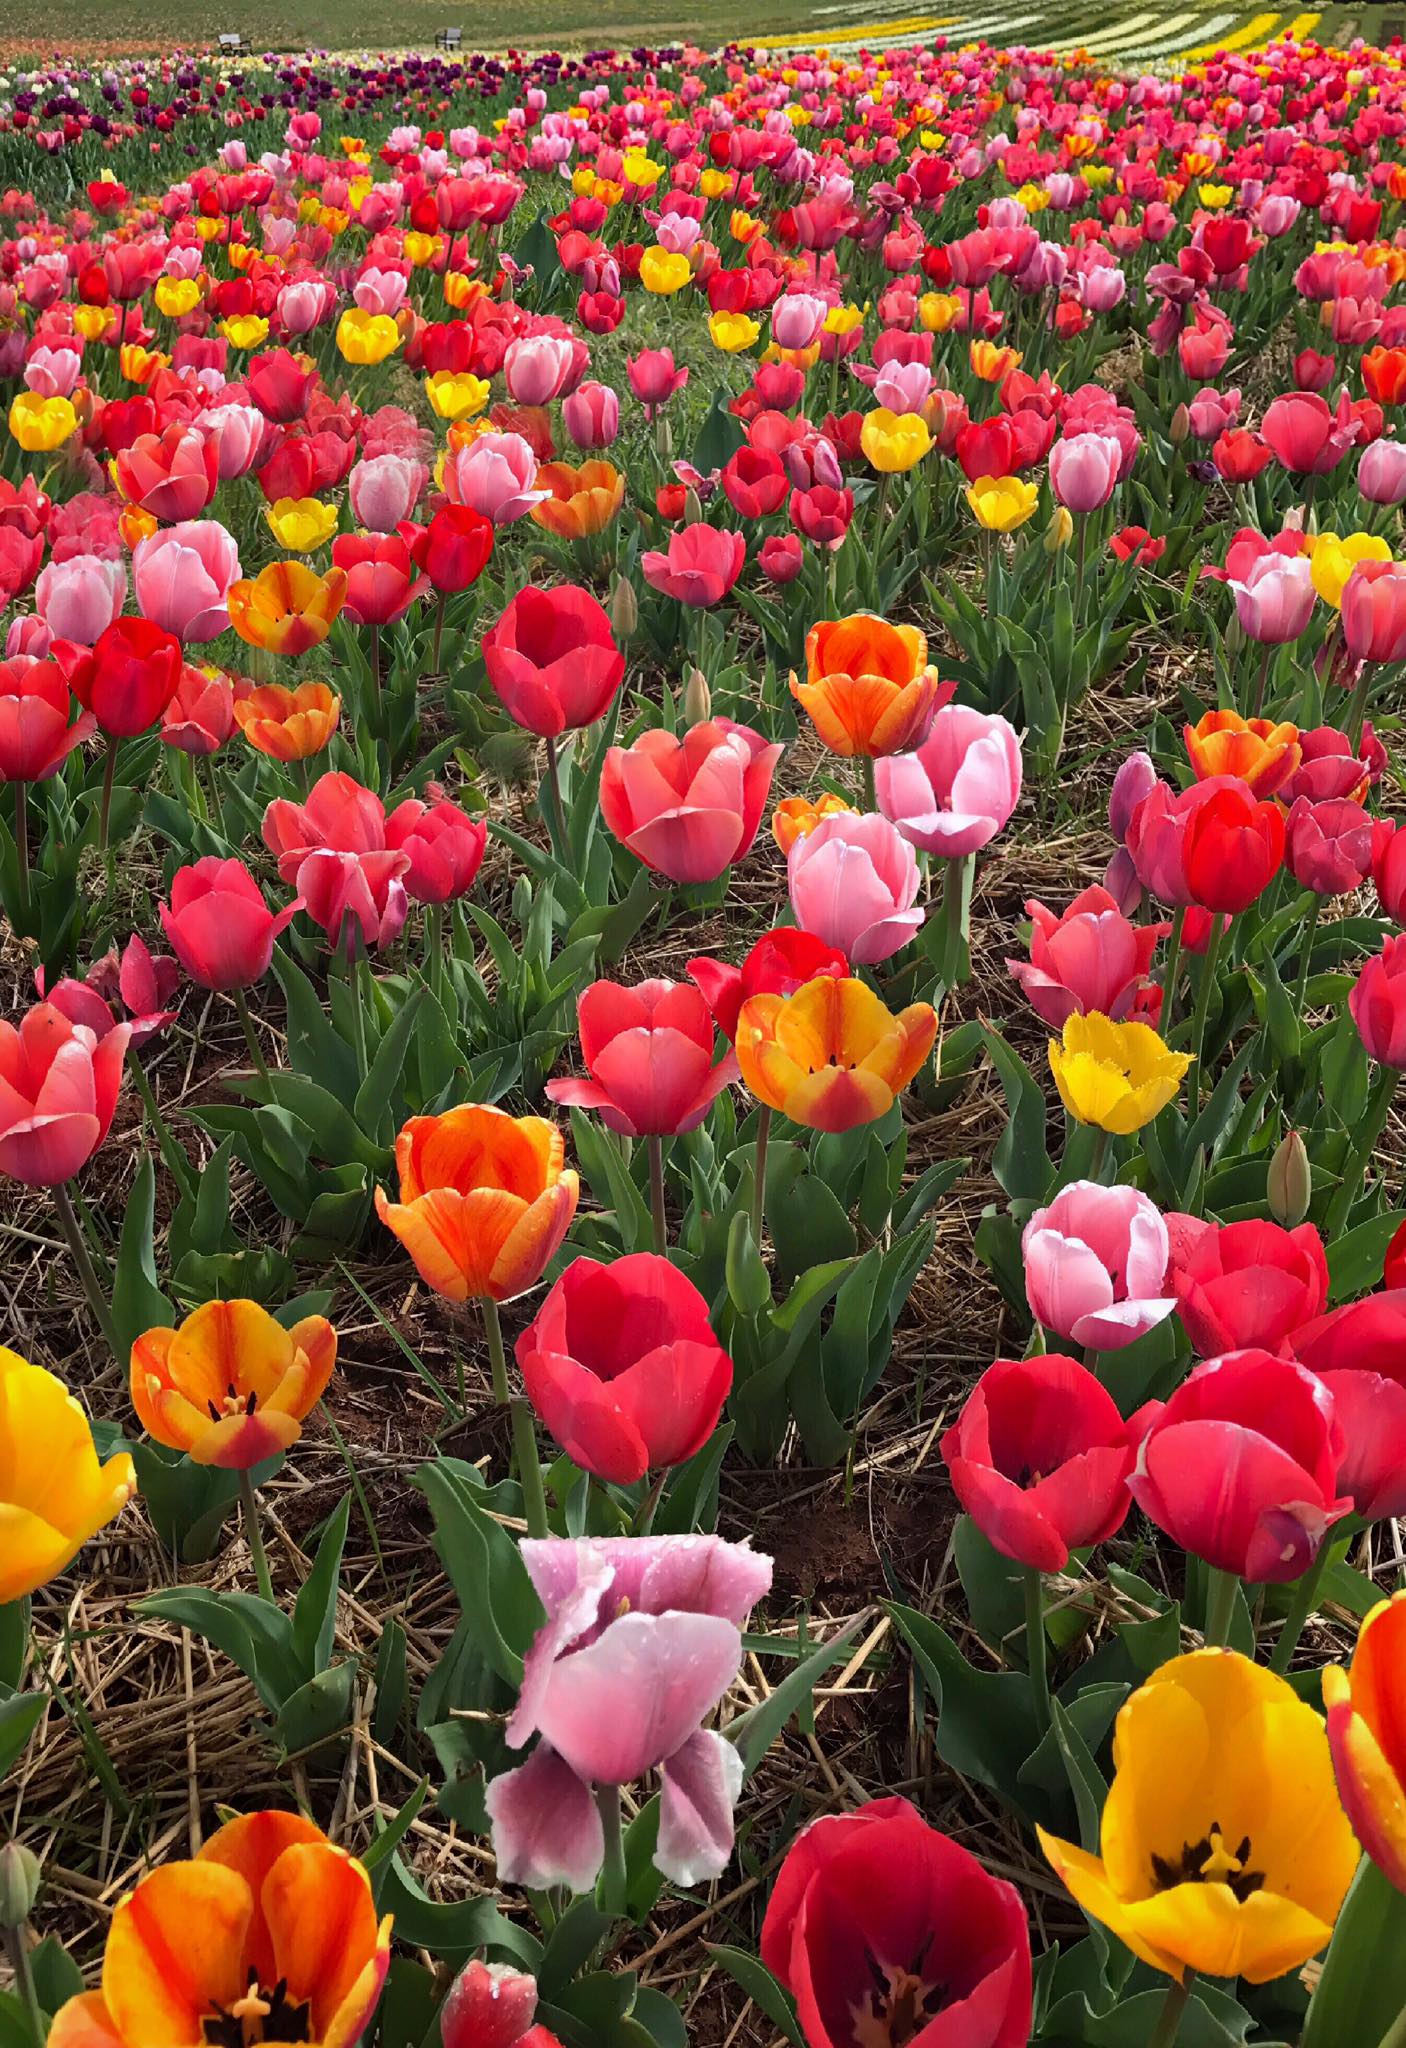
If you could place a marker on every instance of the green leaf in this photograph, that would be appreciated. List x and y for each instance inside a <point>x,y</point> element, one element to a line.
<point>1355,1256</point>
<point>19,1717</point>
<point>315,1611</point>
<point>138,1304</point>
<point>389,1838</point>
<point>753,1733</point>
<point>1021,1161</point>
<point>986,1724</point>
<point>374,1108</point>
<point>761,1987</point>
<point>1363,1987</point>
<point>571,1943</point>
<point>452,1931</point>
<point>495,1593</point>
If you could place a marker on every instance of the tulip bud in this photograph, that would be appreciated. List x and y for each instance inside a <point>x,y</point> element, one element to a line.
<point>624,608</point>
<point>697,698</point>
<point>1181,425</point>
<point>1060,530</point>
<point>19,1885</point>
<point>1290,1181</point>
<point>1233,637</point>
<point>692,506</point>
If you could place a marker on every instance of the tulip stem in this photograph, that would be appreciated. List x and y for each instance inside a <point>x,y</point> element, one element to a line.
<point>759,1174</point>
<point>434,946</point>
<point>1372,1124</point>
<point>1303,1604</point>
<point>105,802</point>
<point>1172,969</point>
<point>643,1523</point>
<point>1220,1606</point>
<point>1306,956</point>
<point>97,1300</point>
<point>254,1536</point>
<point>1169,2019</point>
<point>1357,707</point>
<point>614,1881</point>
<point>656,1193</point>
<point>177,1164</point>
<point>24,1981</point>
<point>529,1465</point>
<point>217,809</point>
<point>439,628</point>
<point>866,782</point>
<point>251,1037</point>
<point>1036,1643</point>
<point>556,816</point>
<point>1203,1001</point>
<point>1263,679</point>
<point>22,844</point>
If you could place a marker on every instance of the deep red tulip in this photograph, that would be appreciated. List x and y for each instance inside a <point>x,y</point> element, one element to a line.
<point>36,737</point>
<point>622,1365</point>
<point>1245,1286</point>
<point>884,1930</point>
<point>553,659</point>
<point>1039,1457</point>
<point>58,1091</point>
<point>1233,849</point>
<point>754,482</point>
<point>1240,1465</point>
<point>1378,1004</point>
<point>779,963</point>
<point>220,928</point>
<point>1359,1353</point>
<point>127,678</point>
<point>453,549</point>
<point>649,1053</point>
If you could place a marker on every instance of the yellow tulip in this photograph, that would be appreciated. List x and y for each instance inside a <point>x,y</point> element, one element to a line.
<point>1224,1847</point>
<point>1002,503</point>
<point>1335,557</point>
<point>422,249</point>
<point>366,337</point>
<point>663,271</point>
<point>937,311</point>
<point>176,296</point>
<point>41,424</point>
<point>302,524</point>
<point>456,394</point>
<point>93,322</point>
<point>991,363</point>
<point>54,1494</point>
<point>843,320</point>
<point>894,441</point>
<point>1060,530</point>
<point>139,365</point>
<point>245,330</point>
<point>713,183</point>
<point>732,332</point>
<point>1117,1076</point>
<point>1214,197</point>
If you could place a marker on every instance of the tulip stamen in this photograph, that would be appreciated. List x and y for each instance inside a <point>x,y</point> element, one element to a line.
<point>1209,1861</point>
<point>900,2005</point>
<point>259,2015</point>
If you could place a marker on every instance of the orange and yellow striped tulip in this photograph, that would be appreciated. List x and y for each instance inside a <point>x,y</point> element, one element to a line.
<point>231,1386</point>
<point>831,1056</point>
<point>869,686</point>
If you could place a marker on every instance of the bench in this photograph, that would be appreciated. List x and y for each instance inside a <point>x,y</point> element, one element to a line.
<point>231,43</point>
<point>449,39</point>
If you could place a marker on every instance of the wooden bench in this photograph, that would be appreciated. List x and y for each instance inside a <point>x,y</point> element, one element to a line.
<point>449,39</point>
<point>231,43</point>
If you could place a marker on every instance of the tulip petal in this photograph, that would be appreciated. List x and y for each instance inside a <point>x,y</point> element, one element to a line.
<point>620,1706</point>
<point>699,1788</point>
<point>175,1953</point>
<point>546,1827</point>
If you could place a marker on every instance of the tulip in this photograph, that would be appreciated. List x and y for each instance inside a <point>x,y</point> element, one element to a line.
<point>54,1494</point>
<point>1332,768</point>
<point>456,395</point>
<point>831,1057</point>
<point>485,1200</point>
<point>582,501</point>
<point>280,383</point>
<point>495,475</point>
<point>591,415</point>
<point>653,378</point>
<point>1240,1465</point>
<point>1389,868</point>
<point>870,689</point>
<point>1115,1076</point>
<point>1242,1286</point>
<point>231,1387</point>
<point>1381,473</point>
<point>220,928</point>
<point>1000,504</point>
<point>1095,1262</point>
<point>642,1639</point>
<point>690,807</point>
<point>492,2005</point>
<point>538,367</point>
<point>1225,1850</point>
<point>884,1930</point>
<point>781,558</point>
<point>200,717</point>
<point>366,338</point>
<point>385,490</point>
<point>286,608</point>
<point>960,787</point>
<point>182,576</point>
<point>302,525</point>
<point>1359,1353</point>
<point>894,442</point>
<point>36,706</point>
<point>1307,436</point>
<point>1233,848</point>
<point>141,981</point>
<point>553,660</point>
<point>795,816</point>
<point>454,548</point>
<point>172,475</point>
<point>128,679</point>
<point>1378,1004</point>
<point>1374,611</point>
<point>40,425</point>
<point>381,583</point>
<point>1275,599</point>
<point>444,846</point>
<point>286,1921</point>
<point>854,882</point>
<point>649,1054</point>
<point>58,1092</point>
<point>80,596</point>
<point>1328,846</point>
<point>780,962</point>
<point>358,899</point>
<point>1261,754</point>
<point>699,566</point>
<point>287,725</point>
<point>1365,1736</point>
<point>1332,560</point>
<point>1090,958</point>
<point>622,1365</point>
<point>1084,470</point>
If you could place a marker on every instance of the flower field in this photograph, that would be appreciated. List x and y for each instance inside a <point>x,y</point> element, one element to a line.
<point>704,980</point>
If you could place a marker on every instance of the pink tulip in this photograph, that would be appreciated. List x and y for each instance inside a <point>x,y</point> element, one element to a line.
<point>79,598</point>
<point>1275,598</point>
<point>649,1054</point>
<point>689,807</point>
<point>537,367</point>
<point>854,883</point>
<point>380,291</point>
<point>494,475</point>
<point>357,898</point>
<point>1328,846</point>
<point>445,846</point>
<point>182,576</point>
<point>796,320</point>
<point>1307,436</point>
<point>242,437</point>
<point>653,378</point>
<point>339,813</point>
<point>1374,611</point>
<point>220,928</point>
<point>960,787</point>
<point>642,1639</point>
<point>52,372</point>
<point>1090,958</point>
<point>592,415</point>
<point>1084,470</point>
<point>700,565</point>
<point>200,717</point>
<point>1095,1265</point>
<point>1381,472</point>
<point>385,490</point>
<point>58,1091</point>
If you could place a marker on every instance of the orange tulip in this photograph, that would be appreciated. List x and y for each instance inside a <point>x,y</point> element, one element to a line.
<point>288,725</point>
<point>232,1386</point>
<point>831,1056</point>
<point>286,607</point>
<point>484,1200</point>
<point>869,687</point>
<point>270,1934</point>
<point>1367,1736</point>
<point>796,817</point>
<point>1260,752</point>
<point>583,501</point>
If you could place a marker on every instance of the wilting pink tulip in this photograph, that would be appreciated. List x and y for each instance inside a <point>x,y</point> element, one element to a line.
<point>1328,846</point>
<point>445,846</point>
<point>689,807</point>
<point>653,378</point>
<point>1084,470</point>
<point>1095,1265</point>
<point>1090,958</point>
<point>1381,472</point>
<point>649,1054</point>
<point>1374,611</point>
<point>494,475</point>
<point>700,565</point>
<point>1274,600</point>
<point>58,1092</point>
<point>591,415</point>
<point>642,1639</point>
<point>182,576</point>
<point>960,787</point>
<point>854,883</point>
<point>537,367</point>
<point>200,717</point>
<point>78,598</point>
<point>386,490</point>
<point>220,928</point>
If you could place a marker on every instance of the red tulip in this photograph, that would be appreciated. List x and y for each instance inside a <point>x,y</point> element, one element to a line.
<point>58,1091</point>
<point>280,383</point>
<point>689,807</point>
<point>754,482</point>
<point>454,548</point>
<point>1378,1004</point>
<point>1245,1286</point>
<point>553,660</point>
<point>1039,1457</point>
<point>173,475</point>
<point>129,676</point>
<point>1308,437</point>
<point>622,1365</point>
<point>1233,849</point>
<point>1328,846</point>
<point>884,1930</point>
<point>1240,1466</point>
<point>36,737</point>
<point>492,2005</point>
<point>649,1053</point>
<point>779,963</point>
<point>1374,611</point>
<point>220,928</point>
<point>1359,1353</point>
<point>381,583</point>
<point>445,846</point>
<point>1389,867</point>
